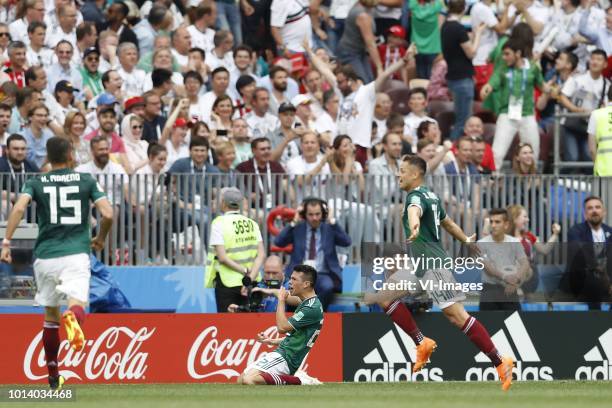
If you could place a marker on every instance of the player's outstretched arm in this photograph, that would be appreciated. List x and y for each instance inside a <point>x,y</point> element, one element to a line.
<point>456,232</point>
<point>106,211</point>
<point>414,217</point>
<point>282,323</point>
<point>13,221</point>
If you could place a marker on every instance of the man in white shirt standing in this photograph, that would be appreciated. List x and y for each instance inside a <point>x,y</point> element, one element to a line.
<point>181,44</point>
<point>310,167</point>
<point>66,29</point>
<point>34,11</point>
<point>289,23</point>
<point>243,64</point>
<point>482,12</point>
<point>133,78</point>
<point>202,36</point>
<point>37,53</point>
<point>219,84</point>
<point>261,122</point>
<point>222,55</point>
<point>583,94</point>
<point>418,114</point>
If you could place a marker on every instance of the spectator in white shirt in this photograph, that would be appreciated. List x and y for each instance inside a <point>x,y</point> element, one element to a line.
<point>133,78</point>
<point>221,55</point>
<point>177,144</point>
<point>66,28</point>
<point>193,81</point>
<point>135,147</point>
<point>64,95</point>
<point>181,44</point>
<point>197,56</point>
<point>325,123</point>
<point>284,141</point>
<point>108,41</point>
<point>314,87</point>
<point>219,85</point>
<point>310,168</point>
<point>289,23</point>
<point>147,29</point>
<point>29,11</point>
<point>102,165</point>
<point>418,113</point>
<point>37,53</point>
<point>5,40</point>
<point>52,7</point>
<point>63,68</point>
<point>86,37</point>
<point>261,122</point>
<point>482,12</point>
<point>303,113</point>
<point>205,16</point>
<point>382,111</point>
<point>243,65</point>
<point>245,87</point>
<point>221,116</point>
<point>278,95</point>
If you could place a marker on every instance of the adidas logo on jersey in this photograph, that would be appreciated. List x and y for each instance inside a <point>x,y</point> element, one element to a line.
<point>526,366</point>
<point>394,356</point>
<point>603,370</point>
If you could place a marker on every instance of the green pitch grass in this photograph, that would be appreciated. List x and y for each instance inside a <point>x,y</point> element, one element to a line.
<point>557,394</point>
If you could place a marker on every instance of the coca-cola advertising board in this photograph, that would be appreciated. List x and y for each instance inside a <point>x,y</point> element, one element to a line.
<point>158,348</point>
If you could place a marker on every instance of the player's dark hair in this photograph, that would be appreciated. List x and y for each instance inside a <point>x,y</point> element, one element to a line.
<point>199,141</point>
<point>259,140</point>
<point>310,273</point>
<point>58,149</point>
<point>417,162</point>
<point>591,198</point>
<point>14,137</point>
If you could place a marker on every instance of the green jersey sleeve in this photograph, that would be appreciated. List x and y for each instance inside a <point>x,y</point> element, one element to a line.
<point>96,190</point>
<point>28,188</point>
<point>305,317</point>
<point>415,199</point>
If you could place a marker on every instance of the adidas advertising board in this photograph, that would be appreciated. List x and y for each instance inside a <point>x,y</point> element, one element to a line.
<point>545,346</point>
<point>598,360</point>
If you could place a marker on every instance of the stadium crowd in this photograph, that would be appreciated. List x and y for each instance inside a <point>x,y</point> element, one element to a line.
<point>299,90</point>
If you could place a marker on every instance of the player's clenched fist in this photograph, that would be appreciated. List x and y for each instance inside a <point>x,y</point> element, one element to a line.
<point>97,244</point>
<point>6,255</point>
<point>283,294</point>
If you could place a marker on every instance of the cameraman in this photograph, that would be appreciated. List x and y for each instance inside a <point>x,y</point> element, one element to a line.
<point>273,280</point>
<point>235,253</point>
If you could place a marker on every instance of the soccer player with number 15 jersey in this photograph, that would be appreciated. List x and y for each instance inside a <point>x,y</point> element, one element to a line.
<point>63,245</point>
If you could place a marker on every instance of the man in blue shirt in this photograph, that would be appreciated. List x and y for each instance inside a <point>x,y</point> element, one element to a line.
<point>600,36</point>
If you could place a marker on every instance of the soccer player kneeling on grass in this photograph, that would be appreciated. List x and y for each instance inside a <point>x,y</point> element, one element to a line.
<point>62,247</point>
<point>280,367</point>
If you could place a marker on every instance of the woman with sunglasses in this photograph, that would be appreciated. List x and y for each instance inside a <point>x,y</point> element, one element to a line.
<point>135,147</point>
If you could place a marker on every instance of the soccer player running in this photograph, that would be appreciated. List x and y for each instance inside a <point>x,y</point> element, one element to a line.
<point>280,367</point>
<point>63,245</point>
<point>422,218</point>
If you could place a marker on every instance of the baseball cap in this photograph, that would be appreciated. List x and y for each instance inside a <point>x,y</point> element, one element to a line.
<point>102,109</point>
<point>132,102</point>
<point>286,107</point>
<point>66,86</point>
<point>232,197</point>
<point>106,99</point>
<point>180,123</point>
<point>398,31</point>
<point>301,99</point>
<point>90,50</point>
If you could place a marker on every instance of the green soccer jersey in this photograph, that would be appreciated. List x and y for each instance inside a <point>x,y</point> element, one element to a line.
<point>428,244</point>
<point>62,200</point>
<point>306,322</point>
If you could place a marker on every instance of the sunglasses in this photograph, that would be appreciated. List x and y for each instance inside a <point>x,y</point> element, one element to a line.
<point>5,35</point>
<point>137,127</point>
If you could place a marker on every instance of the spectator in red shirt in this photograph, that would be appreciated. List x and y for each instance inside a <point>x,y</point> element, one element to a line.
<point>394,50</point>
